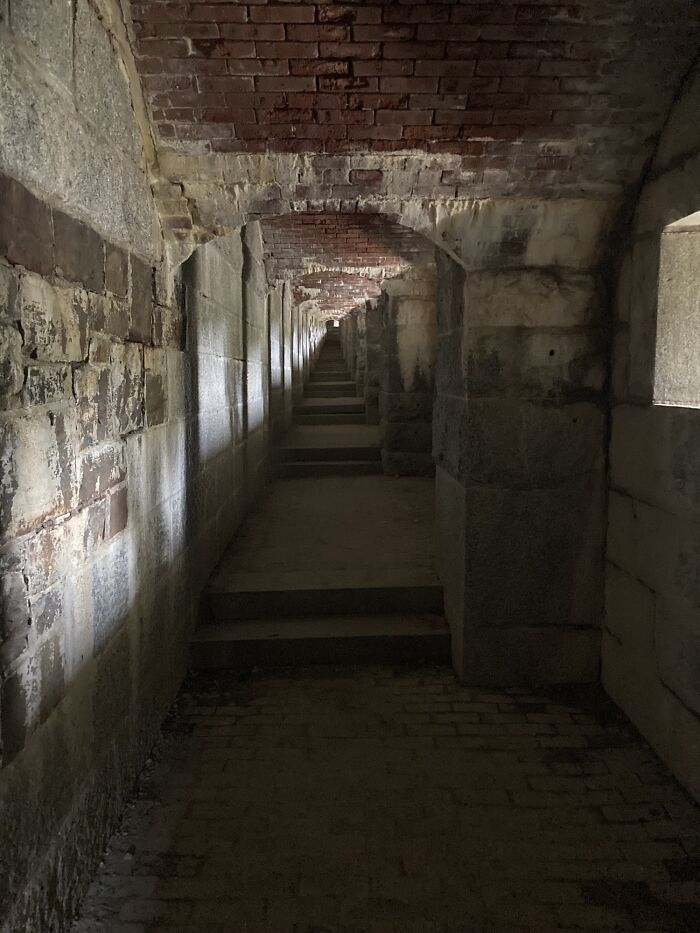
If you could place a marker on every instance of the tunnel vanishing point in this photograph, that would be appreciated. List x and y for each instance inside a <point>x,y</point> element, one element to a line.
<point>349,466</point>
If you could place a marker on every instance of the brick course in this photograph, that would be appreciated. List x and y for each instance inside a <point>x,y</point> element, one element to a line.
<point>357,51</point>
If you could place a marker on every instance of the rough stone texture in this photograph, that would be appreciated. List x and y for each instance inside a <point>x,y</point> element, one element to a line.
<point>303,800</point>
<point>518,436</point>
<point>650,645</point>
<point>75,143</point>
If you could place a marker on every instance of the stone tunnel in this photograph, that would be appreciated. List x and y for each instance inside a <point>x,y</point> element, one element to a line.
<point>349,484</point>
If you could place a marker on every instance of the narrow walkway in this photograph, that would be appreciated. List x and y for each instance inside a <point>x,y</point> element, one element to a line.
<point>336,563</point>
<point>383,800</point>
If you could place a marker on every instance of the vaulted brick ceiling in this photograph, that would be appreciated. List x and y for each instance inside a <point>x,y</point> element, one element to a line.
<point>476,78</point>
<point>334,294</point>
<point>372,243</point>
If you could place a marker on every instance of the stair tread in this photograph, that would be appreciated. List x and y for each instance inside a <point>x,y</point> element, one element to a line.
<point>298,627</point>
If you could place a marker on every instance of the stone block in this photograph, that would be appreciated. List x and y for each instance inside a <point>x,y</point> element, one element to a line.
<point>117,512</point>
<point>51,146</point>
<point>127,388</point>
<point>111,591</point>
<point>92,389</point>
<point>113,691</point>
<point>141,312</point>
<point>15,619</point>
<point>531,656</point>
<point>26,228</point>
<point>116,271</point>
<point>52,676</point>
<point>534,363</point>
<point>108,315</point>
<point>450,421</point>
<point>531,298</point>
<point>519,445</point>
<point>525,565</point>
<point>37,472</point>
<point>79,252</point>
<point>677,641</point>
<point>676,367</point>
<point>46,384</point>
<point>9,281</point>
<point>47,609</point>
<point>54,321</point>
<point>642,540</point>
<point>48,26</point>
<point>11,368</point>
<point>156,385</point>
<point>19,693</point>
<point>101,88</point>
<point>630,675</point>
<point>100,468</point>
<point>642,317</point>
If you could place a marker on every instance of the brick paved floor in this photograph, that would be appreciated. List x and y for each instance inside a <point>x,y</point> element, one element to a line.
<point>394,801</point>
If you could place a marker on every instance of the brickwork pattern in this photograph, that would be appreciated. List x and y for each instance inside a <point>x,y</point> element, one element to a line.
<point>374,243</point>
<point>333,294</point>
<point>380,801</point>
<point>483,80</point>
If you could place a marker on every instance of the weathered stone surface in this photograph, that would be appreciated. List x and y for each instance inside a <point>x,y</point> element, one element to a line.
<point>156,385</point>
<point>127,377</point>
<point>46,384</point>
<point>48,26</point>
<point>513,540</point>
<point>47,143</point>
<point>11,369</point>
<point>8,294</point>
<point>109,315</point>
<point>141,313</point>
<point>118,512</point>
<point>518,445</point>
<point>92,389</point>
<point>116,271</point>
<point>534,363</point>
<point>37,456</point>
<point>52,676</point>
<point>54,321</point>
<point>79,252</point>
<point>15,620</point>
<point>110,594</point>
<point>26,228</point>
<point>676,367</point>
<point>100,468</point>
<point>101,88</point>
<point>531,298</point>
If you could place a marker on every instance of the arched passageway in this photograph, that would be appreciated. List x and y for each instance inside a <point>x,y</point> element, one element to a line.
<point>187,191</point>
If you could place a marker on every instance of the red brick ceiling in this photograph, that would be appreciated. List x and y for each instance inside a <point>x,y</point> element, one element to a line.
<point>334,293</point>
<point>465,77</point>
<point>343,242</point>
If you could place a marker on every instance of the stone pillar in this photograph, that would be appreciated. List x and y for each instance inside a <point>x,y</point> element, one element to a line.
<point>519,442</point>
<point>373,357</point>
<point>407,382</point>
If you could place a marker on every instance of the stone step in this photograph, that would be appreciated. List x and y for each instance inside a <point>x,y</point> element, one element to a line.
<point>309,468</point>
<point>340,418</point>
<point>331,366</point>
<point>232,603</point>
<point>321,640</point>
<point>331,406</point>
<point>330,389</point>
<point>324,454</point>
<point>324,378</point>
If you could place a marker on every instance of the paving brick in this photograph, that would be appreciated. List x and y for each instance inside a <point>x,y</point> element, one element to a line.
<point>297,801</point>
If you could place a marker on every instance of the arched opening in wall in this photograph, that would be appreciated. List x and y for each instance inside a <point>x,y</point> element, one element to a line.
<point>378,279</point>
<point>677,359</point>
